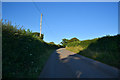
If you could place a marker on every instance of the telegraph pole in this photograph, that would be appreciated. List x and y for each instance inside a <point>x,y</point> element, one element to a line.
<point>40,24</point>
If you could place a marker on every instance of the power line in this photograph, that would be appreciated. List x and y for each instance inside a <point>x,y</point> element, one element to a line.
<point>40,12</point>
<point>36,6</point>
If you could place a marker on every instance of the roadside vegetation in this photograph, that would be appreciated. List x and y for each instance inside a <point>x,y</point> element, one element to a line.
<point>105,49</point>
<point>24,54</point>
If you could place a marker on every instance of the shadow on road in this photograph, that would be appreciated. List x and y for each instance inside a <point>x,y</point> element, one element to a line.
<point>65,64</point>
<point>82,65</point>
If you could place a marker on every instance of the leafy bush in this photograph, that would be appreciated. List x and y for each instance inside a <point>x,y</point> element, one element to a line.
<point>84,44</point>
<point>38,35</point>
<point>73,44</point>
<point>105,49</point>
<point>23,54</point>
<point>65,42</point>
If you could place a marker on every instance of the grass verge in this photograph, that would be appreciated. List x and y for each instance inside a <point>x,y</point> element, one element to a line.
<point>105,49</point>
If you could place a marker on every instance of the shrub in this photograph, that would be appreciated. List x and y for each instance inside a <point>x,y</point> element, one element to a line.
<point>105,49</point>
<point>23,54</point>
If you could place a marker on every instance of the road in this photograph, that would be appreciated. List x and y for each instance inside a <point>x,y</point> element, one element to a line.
<point>65,64</point>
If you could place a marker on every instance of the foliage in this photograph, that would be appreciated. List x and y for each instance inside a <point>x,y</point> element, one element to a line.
<point>104,49</point>
<point>83,44</point>
<point>75,49</point>
<point>73,40</point>
<point>65,42</point>
<point>60,46</point>
<point>73,44</point>
<point>23,54</point>
<point>51,43</point>
<point>38,35</point>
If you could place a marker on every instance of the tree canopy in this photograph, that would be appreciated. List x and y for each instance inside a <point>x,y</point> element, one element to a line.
<point>66,41</point>
<point>38,34</point>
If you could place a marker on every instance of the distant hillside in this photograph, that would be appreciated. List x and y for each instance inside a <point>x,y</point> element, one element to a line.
<point>23,54</point>
<point>105,49</point>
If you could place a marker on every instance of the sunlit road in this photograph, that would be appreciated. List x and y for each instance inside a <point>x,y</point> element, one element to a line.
<point>65,64</point>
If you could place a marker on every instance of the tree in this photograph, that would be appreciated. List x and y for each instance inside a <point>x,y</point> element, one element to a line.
<point>38,35</point>
<point>23,31</point>
<point>64,42</point>
<point>42,36</point>
<point>28,31</point>
<point>60,46</point>
<point>51,43</point>
<point>73,39</point>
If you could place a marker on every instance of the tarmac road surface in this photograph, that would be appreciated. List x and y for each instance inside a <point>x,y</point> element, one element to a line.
<point>65,64</point>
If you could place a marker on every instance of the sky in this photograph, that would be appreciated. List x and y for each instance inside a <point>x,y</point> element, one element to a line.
<point>83,20</point>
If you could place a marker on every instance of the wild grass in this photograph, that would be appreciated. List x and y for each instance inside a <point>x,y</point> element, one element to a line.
<point>78,46</point>
<point>75,49</point>
<point>105,49</point>
<point>23,54</point>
